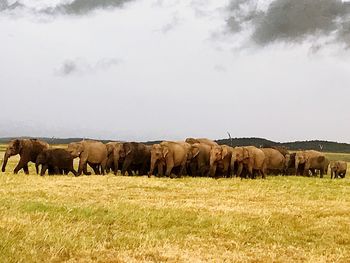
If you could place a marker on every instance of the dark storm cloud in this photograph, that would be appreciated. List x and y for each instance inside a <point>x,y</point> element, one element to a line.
<point>290,20</point>
<point>75,7</point>
<point>5,5</point>
<point>70,67</point>
<point>81,7</point>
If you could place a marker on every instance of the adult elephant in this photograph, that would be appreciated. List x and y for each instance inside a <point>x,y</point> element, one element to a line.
<point>136,156</point>
<point>220,160</point>
<point>89,152</point>
<point>157,160</point>
<point>110,155</point>
<point>201,140</point>
<point>312,160</point>
<point>171,155</point>
<point>28,150</point>
<point>275,162</point>
<point>200,159</point>
<point>338,169</point>
<point>60,159</point>
<point>250,158</point>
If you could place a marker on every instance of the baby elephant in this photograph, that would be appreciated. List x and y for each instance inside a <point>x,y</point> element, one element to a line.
<point>338,168</point>
<point>59,159</point>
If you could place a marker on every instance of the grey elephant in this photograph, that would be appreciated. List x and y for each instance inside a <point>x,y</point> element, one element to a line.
<point>89,152</point>
<point>338,169</point>
<point>28,150</point>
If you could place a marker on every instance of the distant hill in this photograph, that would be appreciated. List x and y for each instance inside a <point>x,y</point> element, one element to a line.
<point>327,146</point>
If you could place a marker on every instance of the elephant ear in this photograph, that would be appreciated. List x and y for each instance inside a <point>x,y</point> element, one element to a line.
<point>128,151</point>
<point>195,151</point>
<point>80,148</point>
<point>245,153</point>
<point>165,152</point>
<point>18,145</point>
<point>224,153</point>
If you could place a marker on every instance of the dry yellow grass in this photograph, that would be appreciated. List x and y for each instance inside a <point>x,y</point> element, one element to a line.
<point>139,219</point>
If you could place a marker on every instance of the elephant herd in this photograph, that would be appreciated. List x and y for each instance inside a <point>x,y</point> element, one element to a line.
<point>193,157</point>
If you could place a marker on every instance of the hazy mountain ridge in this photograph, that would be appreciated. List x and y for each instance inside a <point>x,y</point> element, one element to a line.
<point>326,146</point>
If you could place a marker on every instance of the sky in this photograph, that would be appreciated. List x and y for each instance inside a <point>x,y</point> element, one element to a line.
<point>170,69</point>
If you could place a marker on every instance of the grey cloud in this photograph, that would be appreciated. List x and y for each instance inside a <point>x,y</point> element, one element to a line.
<point>74,7</point>
<point>220,68</point>
<point>68,68</point>
<point>171,25</point>
<point>5,5</point>
<point>81,7</point>
<point>80,66</point>
<point>290,20</point>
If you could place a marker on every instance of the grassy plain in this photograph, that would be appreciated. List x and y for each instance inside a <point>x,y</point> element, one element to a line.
<point>139,219</point>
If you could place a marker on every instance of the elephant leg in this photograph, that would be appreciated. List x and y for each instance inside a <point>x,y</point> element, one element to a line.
<point>250,171</point>
<point>43,169</point>
<point>103,166</point>
<point>56,170</point>
<point>71,169</point>
<point>126,166</point>
<point>96,169</point>
<point>321,173</point>
<point>169,167</point>
<point>82,165</point>
<point>20,166</point>
<point>85,171</point>
<point>160,168</point>
<point>225,172</point>
<point>183,170</point>
<point>212,171</point>
<point>25,169</point>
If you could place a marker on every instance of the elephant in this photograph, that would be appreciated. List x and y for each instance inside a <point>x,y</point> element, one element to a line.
<point>28,150</point>
<point>135,156</point>
<point>326,165</point>
<point>89,152</point>
<point>249,158</point>
<point>220,160</point>
<point>283,150</point>
<point>60,159</point>
<point>275,162</point>
<point>170,155</point>
<point>157,160</point>
<point>110,156</point>
<point>338,169</point>
<point>201,140</point>
<point>313,160</point>
<point>200,159</point>
<point>290,165</point>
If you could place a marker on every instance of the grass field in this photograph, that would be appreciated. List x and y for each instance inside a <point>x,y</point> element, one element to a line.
<point>140,219</point>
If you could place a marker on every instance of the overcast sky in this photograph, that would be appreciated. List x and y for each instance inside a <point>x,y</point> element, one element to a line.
<point>152,69</point>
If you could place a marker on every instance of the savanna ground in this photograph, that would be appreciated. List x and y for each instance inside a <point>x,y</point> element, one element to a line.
<point>139,219</point>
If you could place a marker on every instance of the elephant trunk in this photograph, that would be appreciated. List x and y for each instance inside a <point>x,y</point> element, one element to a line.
<point>116,163</point>
<point>239,170</point>
<point>153,165</point>
<point>296,167</point>
<point>6,157</point>
<point>212,166</point>
<point>233,163</point>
